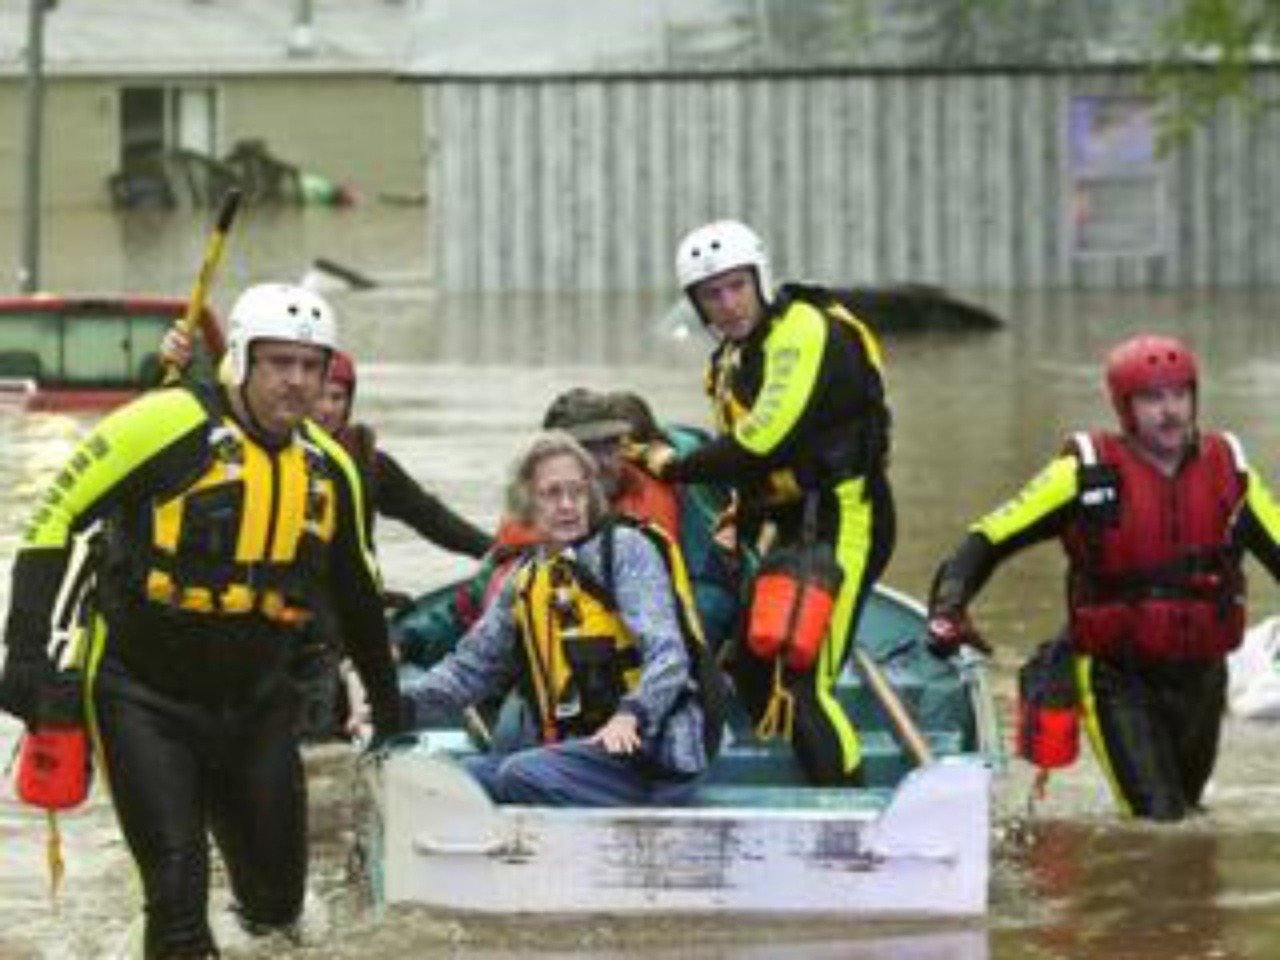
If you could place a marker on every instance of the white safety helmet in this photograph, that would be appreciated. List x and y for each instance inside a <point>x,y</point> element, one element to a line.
<point>718,248</point>
<point>277,311</point>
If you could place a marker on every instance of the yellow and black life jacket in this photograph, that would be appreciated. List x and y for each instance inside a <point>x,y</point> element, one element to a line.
<point>734,382</point>
<point>581,659</point>
<point>247,535</point>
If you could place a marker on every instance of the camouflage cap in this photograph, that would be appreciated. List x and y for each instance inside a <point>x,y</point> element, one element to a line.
<point>633,408</point>
<point>586,416</point>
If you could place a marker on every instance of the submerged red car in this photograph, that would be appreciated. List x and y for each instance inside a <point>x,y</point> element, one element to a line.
<point>83,352</point>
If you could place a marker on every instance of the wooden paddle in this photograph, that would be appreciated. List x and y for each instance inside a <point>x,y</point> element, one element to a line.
<point>196,317</point>
<point>901,718</point>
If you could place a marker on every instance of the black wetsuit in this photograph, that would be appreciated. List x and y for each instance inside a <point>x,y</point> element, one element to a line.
<point>801,407</point>
<point>1153,721</point>
<point>189,646</point>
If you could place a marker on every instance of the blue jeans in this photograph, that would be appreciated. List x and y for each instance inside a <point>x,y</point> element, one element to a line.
<point>577,773</point>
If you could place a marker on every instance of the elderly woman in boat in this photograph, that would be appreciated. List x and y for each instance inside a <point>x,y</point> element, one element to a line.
<point>591,631</point>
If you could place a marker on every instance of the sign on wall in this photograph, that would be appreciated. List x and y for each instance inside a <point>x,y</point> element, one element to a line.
<point>1115,194</point>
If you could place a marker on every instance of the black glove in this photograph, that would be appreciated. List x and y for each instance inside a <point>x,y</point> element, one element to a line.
<point>23,685</point>
<point>36,579</point>
<point>950,630</point>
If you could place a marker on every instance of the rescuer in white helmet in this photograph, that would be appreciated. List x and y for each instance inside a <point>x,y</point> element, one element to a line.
<point>797,389</point>
<point>227,518</point>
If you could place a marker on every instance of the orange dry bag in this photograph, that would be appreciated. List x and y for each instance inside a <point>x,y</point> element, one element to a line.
<point>792,599</point>
<point>53,762</point>
<point>1048,707</point>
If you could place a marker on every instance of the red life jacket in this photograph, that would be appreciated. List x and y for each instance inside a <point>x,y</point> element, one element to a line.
<point>1154,574</point>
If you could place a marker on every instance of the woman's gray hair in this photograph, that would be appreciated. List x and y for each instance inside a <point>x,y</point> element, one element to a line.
<point>544,446</point>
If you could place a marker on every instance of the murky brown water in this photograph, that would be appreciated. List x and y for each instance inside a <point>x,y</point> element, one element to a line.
<point>453,383</point>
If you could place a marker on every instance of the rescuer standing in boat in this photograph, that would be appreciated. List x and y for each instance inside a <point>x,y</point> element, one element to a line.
<point>224,516</point>
<point>1154,520</point>
<point>799,398</point>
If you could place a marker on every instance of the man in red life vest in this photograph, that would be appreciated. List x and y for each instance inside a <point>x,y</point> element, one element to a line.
<point>1154,520</point>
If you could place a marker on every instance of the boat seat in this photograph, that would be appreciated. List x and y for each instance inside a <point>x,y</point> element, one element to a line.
<point>790,798</point>
<point>937,703</point>
<point>747,762</point>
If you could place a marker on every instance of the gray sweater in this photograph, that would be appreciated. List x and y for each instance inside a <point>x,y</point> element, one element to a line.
<point>488,658</point>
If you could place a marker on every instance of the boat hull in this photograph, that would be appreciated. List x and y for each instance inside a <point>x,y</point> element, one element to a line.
<point>919,851</point>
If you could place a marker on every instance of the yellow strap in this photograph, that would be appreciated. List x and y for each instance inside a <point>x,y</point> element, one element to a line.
<point>780,713</point>
<point>53,854</point>
<point>870,344</point>
<point>79,653</point>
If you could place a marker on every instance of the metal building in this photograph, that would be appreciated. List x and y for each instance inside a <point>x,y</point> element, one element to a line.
<point>570,143</point>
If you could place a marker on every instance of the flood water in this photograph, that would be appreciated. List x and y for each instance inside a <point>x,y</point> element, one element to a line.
<point>453,383</point>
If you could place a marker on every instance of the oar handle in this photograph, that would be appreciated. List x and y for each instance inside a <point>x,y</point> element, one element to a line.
<point>477,727</point>
<point>897,710</point>
<point>196,318</point>
<point>227,213</point>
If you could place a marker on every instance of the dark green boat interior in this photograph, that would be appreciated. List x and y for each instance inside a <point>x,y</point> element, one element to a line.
<point>943,697</point>
<point>935,692</point>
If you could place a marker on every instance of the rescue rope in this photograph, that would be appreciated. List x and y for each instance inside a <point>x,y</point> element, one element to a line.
<point>53,854</point>
<point>1039,787</point>
<point>780,713</point>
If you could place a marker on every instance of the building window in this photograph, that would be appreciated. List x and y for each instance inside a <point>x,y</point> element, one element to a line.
<point>157,120</point>
<point>1115,192</point>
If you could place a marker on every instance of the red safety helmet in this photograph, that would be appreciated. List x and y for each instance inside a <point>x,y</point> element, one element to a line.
<point>342,369</point>
<point>1147,362</point>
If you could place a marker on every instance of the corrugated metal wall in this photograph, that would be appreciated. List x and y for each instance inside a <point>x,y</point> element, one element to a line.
<point>561,184</point>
